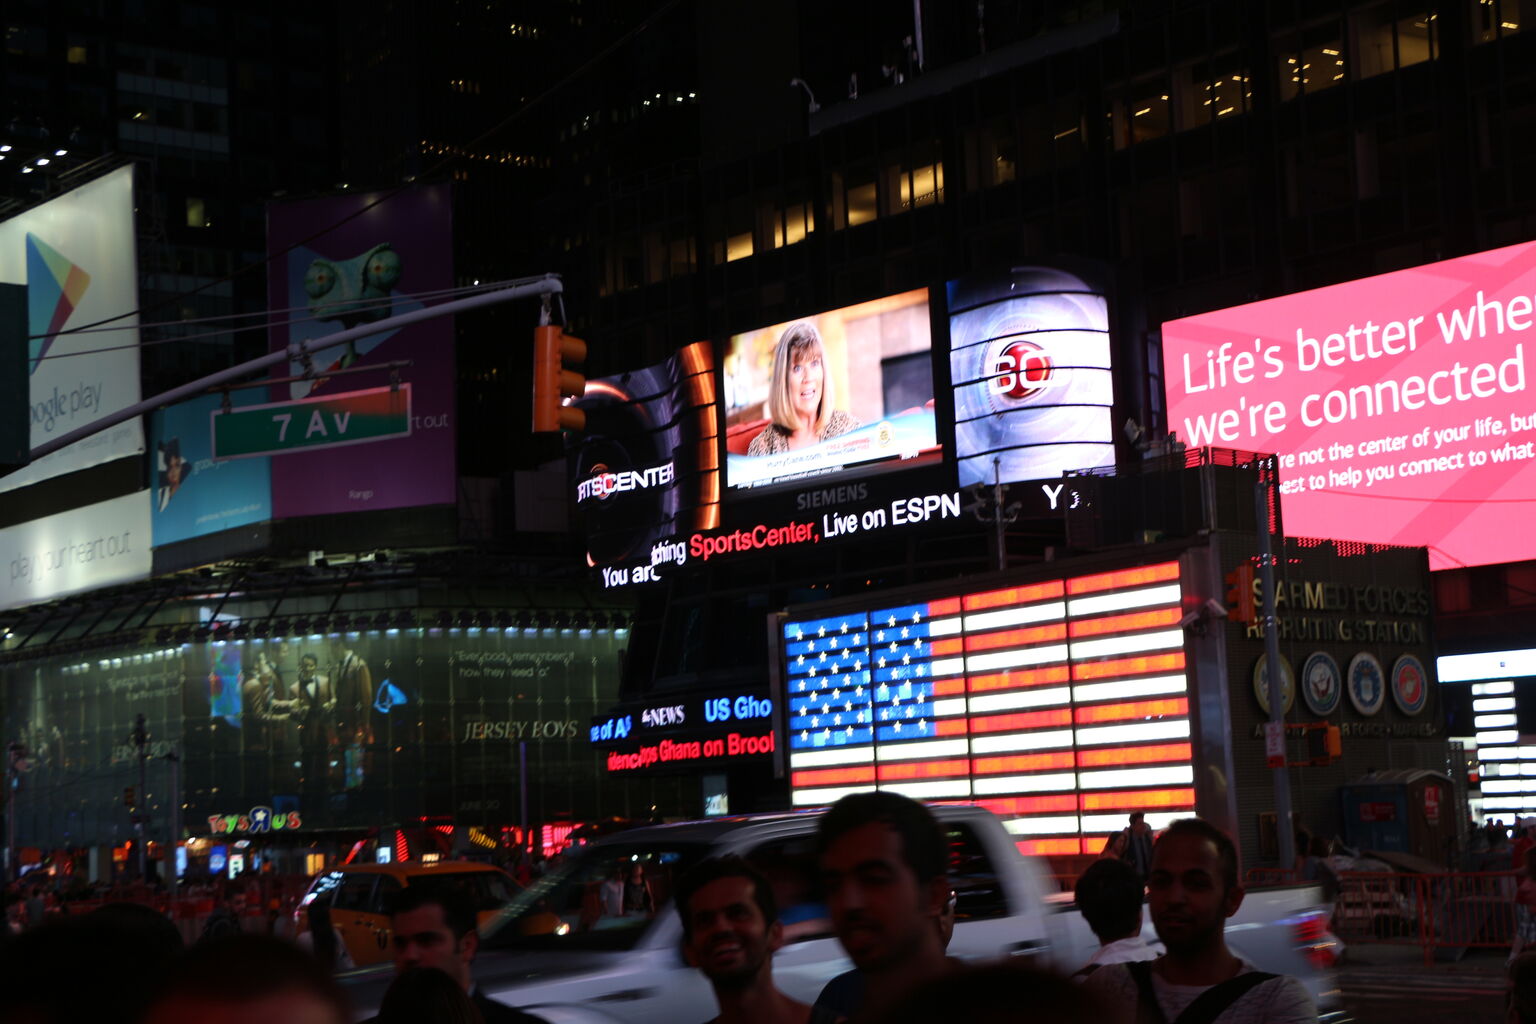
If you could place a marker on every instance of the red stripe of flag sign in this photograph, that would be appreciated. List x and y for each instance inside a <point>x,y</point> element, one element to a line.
<point>1061,705</point>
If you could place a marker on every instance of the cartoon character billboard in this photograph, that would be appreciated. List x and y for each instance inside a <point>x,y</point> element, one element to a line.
<point>344,262</point>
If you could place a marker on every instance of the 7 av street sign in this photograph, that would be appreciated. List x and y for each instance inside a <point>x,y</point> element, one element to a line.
<point>305,424</point>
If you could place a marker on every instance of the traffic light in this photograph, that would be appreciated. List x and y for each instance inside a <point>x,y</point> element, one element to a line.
<point>553,352</point>
<point>1240,607</point>
<point>128,796</point>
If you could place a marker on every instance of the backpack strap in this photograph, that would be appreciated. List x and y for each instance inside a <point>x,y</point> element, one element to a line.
<point>1147,1009</point>
<point>1217,999</point>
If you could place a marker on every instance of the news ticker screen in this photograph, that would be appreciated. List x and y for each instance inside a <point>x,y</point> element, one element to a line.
<point>1060,705</point>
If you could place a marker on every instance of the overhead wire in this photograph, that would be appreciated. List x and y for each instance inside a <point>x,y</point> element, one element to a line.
<point>441,294</point>
<point>222,317</point>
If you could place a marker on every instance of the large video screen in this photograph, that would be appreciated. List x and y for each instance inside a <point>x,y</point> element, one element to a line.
<point>843,390</point>
<point>646,469</point>
<point>1029,357</point>
<point>1398,404</point>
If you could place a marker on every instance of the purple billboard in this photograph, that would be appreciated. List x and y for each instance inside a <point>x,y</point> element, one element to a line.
<point>373,264</point>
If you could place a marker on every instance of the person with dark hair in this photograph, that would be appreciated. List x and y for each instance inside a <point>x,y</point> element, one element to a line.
<point>884,863</point>
<point>731,930</point>
<point>800,405</point>
<point>1137,850</point>
<point>1520,998</point>
<point>120,947</point>
<point>435,927</point>
<point>425,995</point>
<point>1192,890</point>
<point>247,979</point>
<point>1109,895</point>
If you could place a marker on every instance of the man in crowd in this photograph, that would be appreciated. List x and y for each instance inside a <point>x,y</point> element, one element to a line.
<point>1192,891</point>
<point>731,929</point>
<point>1138,845</point>
<point>436,928</point>
<point>883,865</point>
<point>1109,895</point>
<point>247,979</point>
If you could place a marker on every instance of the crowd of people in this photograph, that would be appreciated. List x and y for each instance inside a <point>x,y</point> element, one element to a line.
<point>883,859</point>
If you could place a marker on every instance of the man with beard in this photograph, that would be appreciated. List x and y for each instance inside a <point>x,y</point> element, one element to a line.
<point>1191,892</point>
<point>731,929</point>
<point>883,867</point>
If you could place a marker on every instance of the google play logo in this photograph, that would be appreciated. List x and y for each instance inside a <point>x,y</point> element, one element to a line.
<point>54,289</point>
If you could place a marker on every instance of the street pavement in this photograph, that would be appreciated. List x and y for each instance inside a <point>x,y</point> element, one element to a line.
<point>1391,985</point>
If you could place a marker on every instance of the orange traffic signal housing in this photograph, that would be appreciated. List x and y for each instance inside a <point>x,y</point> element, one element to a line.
<point>553,352</point>
<point>1240,604</point>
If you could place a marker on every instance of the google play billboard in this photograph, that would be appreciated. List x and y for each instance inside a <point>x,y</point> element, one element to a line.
<point>76,256</point>
<point>1402,406</point>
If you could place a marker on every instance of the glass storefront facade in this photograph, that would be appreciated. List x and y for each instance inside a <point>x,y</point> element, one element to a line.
<point>343,730</point>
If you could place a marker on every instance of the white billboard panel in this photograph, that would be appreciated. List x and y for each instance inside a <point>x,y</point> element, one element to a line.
<point>82,549</point>
<point>76,254</point>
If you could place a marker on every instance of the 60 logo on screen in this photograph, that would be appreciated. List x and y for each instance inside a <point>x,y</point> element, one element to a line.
<point>1018,370</point>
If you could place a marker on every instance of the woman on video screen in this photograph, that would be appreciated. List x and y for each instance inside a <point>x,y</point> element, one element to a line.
<point>800,411</point>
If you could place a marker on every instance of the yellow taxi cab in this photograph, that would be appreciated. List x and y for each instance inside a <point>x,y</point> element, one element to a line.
<point>358,896</point>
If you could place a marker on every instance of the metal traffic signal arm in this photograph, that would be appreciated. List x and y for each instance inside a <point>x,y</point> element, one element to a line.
<point>546,284</point>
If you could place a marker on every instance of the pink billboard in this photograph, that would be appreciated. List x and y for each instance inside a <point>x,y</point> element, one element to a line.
<point>1398,404</point>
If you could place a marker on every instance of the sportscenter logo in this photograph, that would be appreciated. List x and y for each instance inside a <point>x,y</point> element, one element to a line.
<point>603,484</point>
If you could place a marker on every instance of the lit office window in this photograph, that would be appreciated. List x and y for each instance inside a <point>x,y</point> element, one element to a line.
<point>991,154</point>
<point>1495,19</point>
<point>853,197</point>
<point>1217,89</point>
<point>779,226</point>
<point>1311,60</point>
<point>919,186</point>
<point>1141,112</point>
<point>1386,39</point>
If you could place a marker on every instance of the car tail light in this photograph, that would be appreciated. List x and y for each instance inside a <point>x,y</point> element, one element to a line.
<point>1313,939</point>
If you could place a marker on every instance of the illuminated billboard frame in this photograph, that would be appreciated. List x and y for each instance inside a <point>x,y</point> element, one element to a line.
<point>1061,705</point>
<point>856,381</point>
<point>1030,364</point>
<point>1392,401</point>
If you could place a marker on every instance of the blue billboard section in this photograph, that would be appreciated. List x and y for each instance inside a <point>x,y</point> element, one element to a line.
<point>194,495</point>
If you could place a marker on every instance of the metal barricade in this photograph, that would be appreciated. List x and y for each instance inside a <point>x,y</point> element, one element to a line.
<point>1451,912</point>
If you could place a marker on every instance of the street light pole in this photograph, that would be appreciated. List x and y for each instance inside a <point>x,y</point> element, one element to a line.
<point>172,875</point>
<point>140,738</point>
<point>14,753</point>
<point>1282,778</point>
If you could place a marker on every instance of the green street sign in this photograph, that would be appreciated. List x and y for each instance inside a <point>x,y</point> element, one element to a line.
<point>306,424</point>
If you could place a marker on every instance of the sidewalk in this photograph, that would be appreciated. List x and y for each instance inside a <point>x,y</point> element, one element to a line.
<point>1373,958</point>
